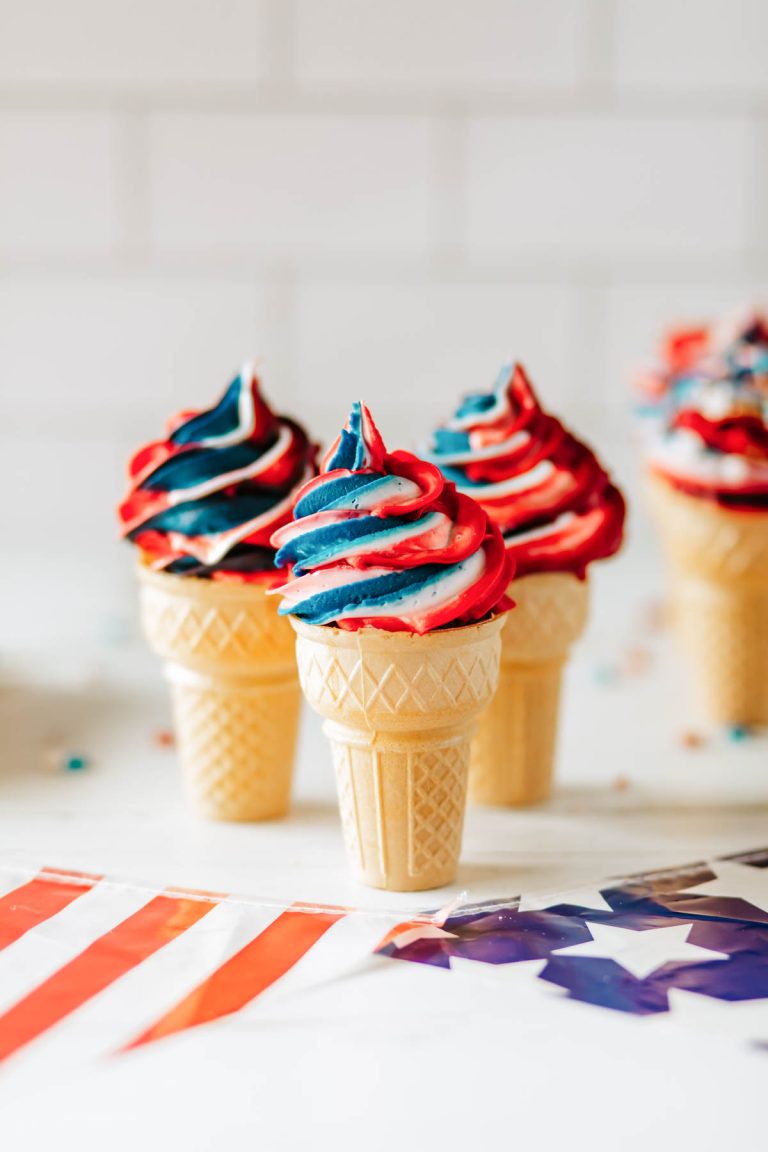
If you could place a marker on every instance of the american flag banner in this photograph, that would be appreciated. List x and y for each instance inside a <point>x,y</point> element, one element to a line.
<point>95,969</point>
<point>632,945</point>
<point>92,967</point>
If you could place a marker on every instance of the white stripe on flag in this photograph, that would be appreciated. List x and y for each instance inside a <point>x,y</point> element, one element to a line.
<point>346,947</point>
<point>50,945</point>
<point>134,1002</point>
<point>12,878</point>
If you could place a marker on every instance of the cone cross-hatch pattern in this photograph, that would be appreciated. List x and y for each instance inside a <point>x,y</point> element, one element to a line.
<point>400,711</point>
<point>231,666</point>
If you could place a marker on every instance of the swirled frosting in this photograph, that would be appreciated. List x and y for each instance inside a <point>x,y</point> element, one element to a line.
<point>205,501</point>
<point>547,492</point>
<point>733,350</point>
<point>381,539</point>
<point>710,386</point>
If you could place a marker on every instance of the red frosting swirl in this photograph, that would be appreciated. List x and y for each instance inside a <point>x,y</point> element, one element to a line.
<point>546,491</point>
<point>710,390</point>
<point>204,501</point>
<point>379,539</point>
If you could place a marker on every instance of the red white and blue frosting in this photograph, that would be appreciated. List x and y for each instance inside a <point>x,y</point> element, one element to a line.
<point>732,352</point>
<point>205,501</point>
<point>382,539</point>
<point>709,393</point>
<point>546,491</point>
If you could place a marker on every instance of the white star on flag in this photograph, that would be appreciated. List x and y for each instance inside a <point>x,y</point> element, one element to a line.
<point>579,897</point>
<point>736,882</point>
<point>641,951</point>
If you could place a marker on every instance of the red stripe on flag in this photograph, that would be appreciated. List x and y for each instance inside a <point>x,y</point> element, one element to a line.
<point>37,901</point>
<point>246,974</point>
<point>399,929</point>
<point>106,960</point>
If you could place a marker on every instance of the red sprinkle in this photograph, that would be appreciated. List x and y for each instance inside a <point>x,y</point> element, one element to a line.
<point>163,738</point>
<point>653,616</point>
<point>636,660</point>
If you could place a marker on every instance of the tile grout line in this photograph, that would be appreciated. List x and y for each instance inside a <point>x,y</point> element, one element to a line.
<point>281,49</point>
<point>599,50</point>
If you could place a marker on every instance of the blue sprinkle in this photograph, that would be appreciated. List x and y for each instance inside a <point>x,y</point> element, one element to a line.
<point>75,763</point>
<point>115,630</point>
<point>604,674</point>
<point>738,732</point>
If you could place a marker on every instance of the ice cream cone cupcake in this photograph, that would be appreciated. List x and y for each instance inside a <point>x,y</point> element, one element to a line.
<point>557,512</point>
<point>707,461</point>
<point>397,599</point>
<point>201,508</point>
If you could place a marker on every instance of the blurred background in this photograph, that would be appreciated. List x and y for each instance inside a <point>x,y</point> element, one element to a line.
<point>379,200</point>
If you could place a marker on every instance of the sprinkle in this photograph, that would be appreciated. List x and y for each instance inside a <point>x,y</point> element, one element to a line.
<point>75,762</point>
<point>604,674</point>
<point>163,738</point>
<point>115,630</point>
<point>636,660</point>
<point>53,757</point>
<point>738,732</point>
<point>653,616</point>
<point>622,784</point>
<point>690,739</point>
<point>57,759</point>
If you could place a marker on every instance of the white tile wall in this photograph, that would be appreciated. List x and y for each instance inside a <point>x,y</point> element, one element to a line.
<point>600,183</point>
<point>84,357</point>
<point>329,182</point>
<point>709,45</point>
<point>411,349</point>
<point>58,187</point>
<point>383,199</point>
<point>144,43</point>
<point>485,44</point>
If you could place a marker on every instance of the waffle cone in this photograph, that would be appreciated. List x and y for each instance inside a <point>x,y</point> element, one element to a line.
<point>514,750</point>
<point>718,574</point>
<point>400,711</point>
<point>231,667</point>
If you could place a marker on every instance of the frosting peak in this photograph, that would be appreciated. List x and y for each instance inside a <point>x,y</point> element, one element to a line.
<point>733,351</point>
<point>205,500</point>
<point>546,491</point>
<point>381,539</point>
<point>359,444</point>
<point>711,436</point>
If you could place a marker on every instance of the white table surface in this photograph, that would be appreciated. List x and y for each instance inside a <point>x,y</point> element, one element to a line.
<point>395,1056</point>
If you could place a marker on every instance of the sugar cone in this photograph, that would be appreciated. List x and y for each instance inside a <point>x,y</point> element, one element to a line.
<point>400,712</point>
<point>231,666</point>
<point>514,750</point>
<point>718,567</point>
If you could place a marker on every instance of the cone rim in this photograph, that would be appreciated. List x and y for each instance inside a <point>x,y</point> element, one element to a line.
<point>660,486</point>
<point>174,583</point>
<point>490,626</point>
